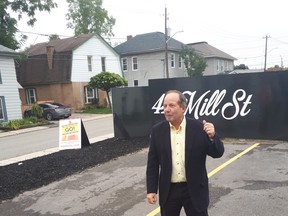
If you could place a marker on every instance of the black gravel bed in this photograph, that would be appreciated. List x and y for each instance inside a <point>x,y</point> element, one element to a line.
<point>34,173</point>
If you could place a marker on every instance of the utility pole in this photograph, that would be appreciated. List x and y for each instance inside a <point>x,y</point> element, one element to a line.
<point>166,45</point>
<point>266,39</point>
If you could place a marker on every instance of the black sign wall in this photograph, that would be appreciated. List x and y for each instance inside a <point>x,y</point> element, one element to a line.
<point>239,105</point>
<point>132,115</point>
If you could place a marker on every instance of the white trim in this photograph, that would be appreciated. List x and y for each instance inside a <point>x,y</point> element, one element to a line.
<point>29,96</point>
<point>180,62</point>
<point>103,63</point>
<point>132,63</point>
<point>89,63</point>
<point>2,116</point>
<point>93,96</point>
<point>126,64</point>
<point>172,60</point>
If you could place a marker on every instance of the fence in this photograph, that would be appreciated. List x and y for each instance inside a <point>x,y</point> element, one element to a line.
<point>240,105</point>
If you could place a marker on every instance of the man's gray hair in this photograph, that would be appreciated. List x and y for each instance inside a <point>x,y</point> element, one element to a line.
<point>182,99</point>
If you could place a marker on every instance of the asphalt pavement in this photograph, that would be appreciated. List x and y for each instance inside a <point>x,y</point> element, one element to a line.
<point>251,179</point>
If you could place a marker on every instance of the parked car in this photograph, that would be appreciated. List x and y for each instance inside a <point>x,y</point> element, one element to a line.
<point>51,111</point>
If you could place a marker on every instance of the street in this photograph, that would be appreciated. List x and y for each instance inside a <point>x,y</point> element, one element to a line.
<point>48,137</point>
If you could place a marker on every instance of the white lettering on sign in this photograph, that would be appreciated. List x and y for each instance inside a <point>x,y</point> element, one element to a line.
<point>209,104</point>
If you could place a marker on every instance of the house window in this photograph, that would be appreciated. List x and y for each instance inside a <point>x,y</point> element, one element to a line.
<point>90,95</point>
<point>222,65</point>
<point>218,65</point>
<point>172,60</point>
<point>103,63</point>
<point>31,96</point>
<point>1,108</point>
<point>0,78</point>
<point>180,62</point>
<point>89,61</point>
<point>124,64</point>
<point>134,63</point>
<point>226,66</point>
<point>135,82</point>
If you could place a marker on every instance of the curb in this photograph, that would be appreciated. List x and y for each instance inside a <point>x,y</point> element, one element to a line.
<point>26,130</point>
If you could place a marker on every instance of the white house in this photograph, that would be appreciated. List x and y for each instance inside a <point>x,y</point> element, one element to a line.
<point>218,62</point>
<point>143,58</point>
<point>60,70</point>
<point>10,103</point>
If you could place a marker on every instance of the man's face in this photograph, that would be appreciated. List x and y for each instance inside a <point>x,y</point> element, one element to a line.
<point>172,111</point>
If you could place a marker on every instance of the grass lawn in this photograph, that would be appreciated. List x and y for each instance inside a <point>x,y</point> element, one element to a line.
<point>103,110</point>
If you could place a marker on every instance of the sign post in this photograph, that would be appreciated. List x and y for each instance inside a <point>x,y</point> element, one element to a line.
<point>72,134</point>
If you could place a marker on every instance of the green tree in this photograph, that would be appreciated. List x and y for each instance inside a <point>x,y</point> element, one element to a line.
<point>8,24</point>
<point>88,16</point>
<point>194,63</point>
<point>105,81</point>
<point>53,37</point>
<point>241,66</point>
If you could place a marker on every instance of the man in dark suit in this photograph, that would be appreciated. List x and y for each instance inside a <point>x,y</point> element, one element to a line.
<point>177,160</point>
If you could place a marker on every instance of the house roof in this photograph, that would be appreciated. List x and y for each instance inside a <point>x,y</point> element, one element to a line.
<point>35,70</point>
<point>149,42</point>
<point>62,45</point>
<point>7,51</point>
<point>208,51</point>
<point>28,72</point>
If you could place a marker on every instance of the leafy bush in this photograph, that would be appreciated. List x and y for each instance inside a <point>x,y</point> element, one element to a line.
<point>30,120</point>
<point>37,110</point>
<point>14,124</point>
<point>22,123</point>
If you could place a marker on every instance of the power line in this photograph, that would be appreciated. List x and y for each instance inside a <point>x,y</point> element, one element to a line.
<point>230,50</point>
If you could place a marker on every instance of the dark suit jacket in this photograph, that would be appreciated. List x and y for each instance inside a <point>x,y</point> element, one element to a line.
<point>197,147</point>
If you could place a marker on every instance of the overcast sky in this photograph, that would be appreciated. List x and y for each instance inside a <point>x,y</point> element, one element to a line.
<point>235,27</point>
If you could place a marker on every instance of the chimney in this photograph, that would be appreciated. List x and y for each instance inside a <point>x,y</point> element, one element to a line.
<point>50,51</point>
<point>129,37</point>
